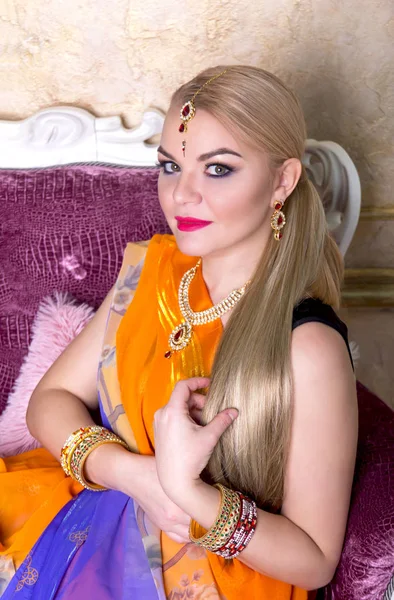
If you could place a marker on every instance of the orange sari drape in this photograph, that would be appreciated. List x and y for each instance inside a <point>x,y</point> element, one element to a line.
<point>33,488</point>
<point>147,379</point>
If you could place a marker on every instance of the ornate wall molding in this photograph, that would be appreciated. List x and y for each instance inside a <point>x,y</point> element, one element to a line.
<point>377,213</point>
<point>368,288</point>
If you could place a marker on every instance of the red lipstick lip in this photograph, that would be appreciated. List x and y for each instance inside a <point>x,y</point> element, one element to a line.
<point>190,224</point>
<point>192,221</point>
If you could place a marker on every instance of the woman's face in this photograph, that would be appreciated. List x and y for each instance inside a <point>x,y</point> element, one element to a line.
<point>220,180</point>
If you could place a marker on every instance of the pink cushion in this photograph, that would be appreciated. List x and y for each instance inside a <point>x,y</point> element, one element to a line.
<point>58,321</point>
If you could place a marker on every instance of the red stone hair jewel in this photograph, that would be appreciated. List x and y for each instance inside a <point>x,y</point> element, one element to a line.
<point>188,110</point>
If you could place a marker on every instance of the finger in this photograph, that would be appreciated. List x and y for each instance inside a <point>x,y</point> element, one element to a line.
<point>181,530</point>
<point>183,389</point>
<point>196,415</point>
<point>196,406</point>
<point>178,538</point>
<point>197,401</point>
<point>220,423</point>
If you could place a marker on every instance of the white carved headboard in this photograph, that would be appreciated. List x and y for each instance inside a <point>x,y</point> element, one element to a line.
<point>67,135</point>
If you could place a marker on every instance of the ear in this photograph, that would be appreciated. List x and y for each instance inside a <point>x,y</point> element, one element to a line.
<point>288,175</point>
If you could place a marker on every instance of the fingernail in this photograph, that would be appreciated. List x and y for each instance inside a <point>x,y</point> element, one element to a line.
<point>233,415</point>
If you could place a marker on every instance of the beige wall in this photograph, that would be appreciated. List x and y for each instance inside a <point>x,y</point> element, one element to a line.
<point>373,330</point>
<point>121,56</point>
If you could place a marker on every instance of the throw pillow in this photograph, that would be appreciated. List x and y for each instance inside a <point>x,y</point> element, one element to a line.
<point>58,321</point>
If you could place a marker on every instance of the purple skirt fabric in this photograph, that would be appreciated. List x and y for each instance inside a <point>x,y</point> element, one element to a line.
<point>92,549</point>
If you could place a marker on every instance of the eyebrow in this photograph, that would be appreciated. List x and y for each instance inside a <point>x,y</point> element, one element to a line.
<point>204,156</point>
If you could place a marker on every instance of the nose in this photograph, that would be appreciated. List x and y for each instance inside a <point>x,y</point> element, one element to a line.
<point>186,190</point>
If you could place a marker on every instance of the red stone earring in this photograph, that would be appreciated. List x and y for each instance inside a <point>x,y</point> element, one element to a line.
<point>278,220</point>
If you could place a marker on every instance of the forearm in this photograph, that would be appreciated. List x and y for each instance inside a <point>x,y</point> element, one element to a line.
<point>116,468</point>
<point>278,549</point>
<point>54,414</point>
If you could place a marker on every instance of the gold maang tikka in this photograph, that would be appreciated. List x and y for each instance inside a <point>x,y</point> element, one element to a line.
<point>188,110</point>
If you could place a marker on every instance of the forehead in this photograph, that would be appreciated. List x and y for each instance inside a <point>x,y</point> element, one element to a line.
<point>204,133</point>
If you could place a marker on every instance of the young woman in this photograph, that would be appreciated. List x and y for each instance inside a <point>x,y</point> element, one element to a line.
<point>225,365</point>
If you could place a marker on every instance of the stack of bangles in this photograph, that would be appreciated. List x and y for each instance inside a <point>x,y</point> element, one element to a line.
<point>234,526</point>
<point>77,448</point>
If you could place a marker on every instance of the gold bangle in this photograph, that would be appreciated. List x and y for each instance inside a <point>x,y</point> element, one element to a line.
<point>224,525</point>
<point>79,445</point>
<point>224,534</point>
<point>68,445</point>
<point>210,538</point>
<point>77,457</point>
<point>72,441</point>
<point>80,475</point>
<point>77,451</point>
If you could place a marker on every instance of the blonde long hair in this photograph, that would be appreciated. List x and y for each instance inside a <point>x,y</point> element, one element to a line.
<point>252,367</point>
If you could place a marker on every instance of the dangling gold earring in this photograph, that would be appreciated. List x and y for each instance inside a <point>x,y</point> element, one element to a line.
<point>278,220</point>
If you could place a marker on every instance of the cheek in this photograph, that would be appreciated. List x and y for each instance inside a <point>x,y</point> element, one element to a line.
<point>237,204</point>
<point>222,198</point>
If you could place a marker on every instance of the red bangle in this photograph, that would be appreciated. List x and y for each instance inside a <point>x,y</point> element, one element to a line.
<point>244,530</point>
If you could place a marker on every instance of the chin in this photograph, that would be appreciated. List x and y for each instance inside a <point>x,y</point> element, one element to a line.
<point>194,243</point>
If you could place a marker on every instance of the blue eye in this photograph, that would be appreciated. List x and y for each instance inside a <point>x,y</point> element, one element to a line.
<point>218,170</point>
<point>168,166</point>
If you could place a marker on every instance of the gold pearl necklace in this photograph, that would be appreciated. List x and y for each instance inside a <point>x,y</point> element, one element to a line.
<point>181,335</point>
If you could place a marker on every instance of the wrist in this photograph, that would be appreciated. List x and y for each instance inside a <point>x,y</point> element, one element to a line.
<point>201,502</point>
<point>181,492</point>
<point>107,466</point>
<point>136,475</point>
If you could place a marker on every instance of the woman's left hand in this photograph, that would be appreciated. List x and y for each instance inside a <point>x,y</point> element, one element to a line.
<point>183,446</point>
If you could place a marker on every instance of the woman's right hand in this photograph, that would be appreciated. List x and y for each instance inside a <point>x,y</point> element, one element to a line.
<point>145,488</point>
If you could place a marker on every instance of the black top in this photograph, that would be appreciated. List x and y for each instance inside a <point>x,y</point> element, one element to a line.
<point>312,309</point>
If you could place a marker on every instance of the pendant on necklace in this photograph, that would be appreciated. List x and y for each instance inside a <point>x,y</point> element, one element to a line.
<point>179,338</point>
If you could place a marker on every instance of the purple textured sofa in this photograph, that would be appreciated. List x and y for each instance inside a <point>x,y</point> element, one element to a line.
<point>65,228</point>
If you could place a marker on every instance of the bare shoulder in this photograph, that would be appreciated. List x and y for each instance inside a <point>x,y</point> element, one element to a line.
<point>316,349</point>
<point>323,440</point>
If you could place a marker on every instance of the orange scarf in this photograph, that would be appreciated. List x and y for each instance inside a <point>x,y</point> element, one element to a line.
<point>147,379</point>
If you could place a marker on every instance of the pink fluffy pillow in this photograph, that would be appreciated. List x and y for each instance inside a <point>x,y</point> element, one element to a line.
<point>58,321</point>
